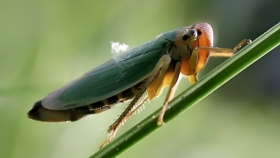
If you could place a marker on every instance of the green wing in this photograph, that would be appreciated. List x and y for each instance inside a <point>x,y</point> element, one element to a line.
<point>110,78</point>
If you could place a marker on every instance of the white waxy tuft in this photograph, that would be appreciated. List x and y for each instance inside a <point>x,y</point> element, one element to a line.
<point>118,48</point>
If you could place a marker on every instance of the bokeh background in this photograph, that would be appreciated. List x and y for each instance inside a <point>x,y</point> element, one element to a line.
<point>45,44</point>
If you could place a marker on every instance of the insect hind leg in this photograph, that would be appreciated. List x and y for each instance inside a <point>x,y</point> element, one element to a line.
<point>161,67</point>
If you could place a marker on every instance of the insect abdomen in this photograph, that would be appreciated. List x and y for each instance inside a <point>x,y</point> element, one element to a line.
<point>40,113</point>
<point>121,97</point>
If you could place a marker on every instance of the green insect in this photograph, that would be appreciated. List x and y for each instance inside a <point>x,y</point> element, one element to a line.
<point>137,75</point>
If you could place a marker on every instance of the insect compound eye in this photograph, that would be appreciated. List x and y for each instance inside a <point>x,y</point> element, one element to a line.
<point>185,37</point>
<point>199,32</point>
<point>190,34</point>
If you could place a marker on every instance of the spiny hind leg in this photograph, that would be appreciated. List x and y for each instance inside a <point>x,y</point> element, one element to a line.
<point>161,68</point>
<point>112,131</point>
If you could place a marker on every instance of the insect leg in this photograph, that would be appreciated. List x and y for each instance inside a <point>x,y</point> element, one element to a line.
<point>161,68</point>
<point>193,78</point>
<point>170,93</point>
<point>197,62</point>
<point>223,52</point>
<point>242,43</point>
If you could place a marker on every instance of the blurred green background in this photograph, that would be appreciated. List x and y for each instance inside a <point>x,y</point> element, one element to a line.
<point>45,44</point>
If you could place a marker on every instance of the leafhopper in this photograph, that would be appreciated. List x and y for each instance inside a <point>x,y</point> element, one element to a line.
<point>137,75</point>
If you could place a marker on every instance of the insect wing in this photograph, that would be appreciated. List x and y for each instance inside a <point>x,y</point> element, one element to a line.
<point>110,78</point>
